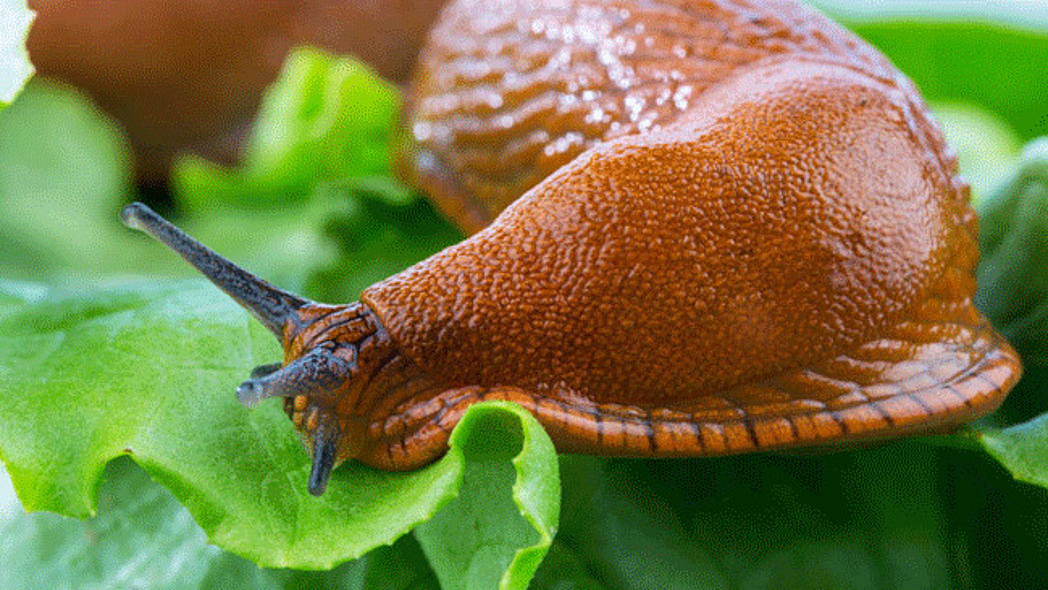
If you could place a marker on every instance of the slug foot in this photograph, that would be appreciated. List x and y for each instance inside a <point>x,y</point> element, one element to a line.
<point>923,376</point>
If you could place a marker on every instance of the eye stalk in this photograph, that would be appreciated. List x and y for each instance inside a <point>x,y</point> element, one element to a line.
<point>315,376</point>
<point>270,305</point>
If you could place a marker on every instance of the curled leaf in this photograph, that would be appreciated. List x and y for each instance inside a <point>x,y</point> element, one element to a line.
<point>499,528</point>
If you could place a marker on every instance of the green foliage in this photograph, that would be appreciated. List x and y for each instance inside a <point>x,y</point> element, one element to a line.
<point>15,69</point>
<point>170,347</point>
<point>65,167</point>
<point>95,367</point>
<point>1013,274</point>
<point>144,538</point>
<point>989,65</point>
<point>324,119</point>
<point>902,515</point>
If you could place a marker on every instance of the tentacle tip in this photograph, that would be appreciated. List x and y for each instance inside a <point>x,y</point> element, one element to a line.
<point>317,487</point>
<point>250,393</point>
<point>325,449</point>
<point>132,215</point>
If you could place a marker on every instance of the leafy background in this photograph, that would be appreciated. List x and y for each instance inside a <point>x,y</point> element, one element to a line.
<point>116,402</point>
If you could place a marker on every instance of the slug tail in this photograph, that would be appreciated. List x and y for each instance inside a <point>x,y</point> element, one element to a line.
<point>270,305</point>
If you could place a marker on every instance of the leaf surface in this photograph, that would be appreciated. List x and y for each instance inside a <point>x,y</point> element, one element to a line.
<point>162,393</point>
<point>143,537</point>
<point>496,532</point>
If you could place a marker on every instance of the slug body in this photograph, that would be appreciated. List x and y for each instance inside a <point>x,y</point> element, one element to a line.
<point>702,228</point>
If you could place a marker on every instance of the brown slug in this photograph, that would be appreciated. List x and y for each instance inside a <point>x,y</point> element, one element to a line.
<point>703,228</point>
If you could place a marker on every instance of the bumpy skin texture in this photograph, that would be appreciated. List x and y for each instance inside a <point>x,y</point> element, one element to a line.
<point>506,92</point>
<point>794,213</point>
<point>752,236</point>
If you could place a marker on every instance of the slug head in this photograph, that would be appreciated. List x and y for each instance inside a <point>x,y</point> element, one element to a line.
<point>321,347</point>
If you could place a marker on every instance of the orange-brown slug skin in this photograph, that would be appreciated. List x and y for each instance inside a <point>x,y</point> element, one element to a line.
<point>699,228</point>
<point>731,214</point>
<point>792,216</point>
<point>507,92</point>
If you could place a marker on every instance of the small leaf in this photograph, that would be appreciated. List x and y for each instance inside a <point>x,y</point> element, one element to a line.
<point>1022,449</point>
<point>15,69</point>
<point>500,527</point>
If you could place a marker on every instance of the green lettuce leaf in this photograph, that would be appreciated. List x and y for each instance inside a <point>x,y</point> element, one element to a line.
<point>172,349</point>
<point>496,532</point>
<point>15,68</point>
<point>64,168</point>
<point>324,119</point>
<point>143,537</point>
